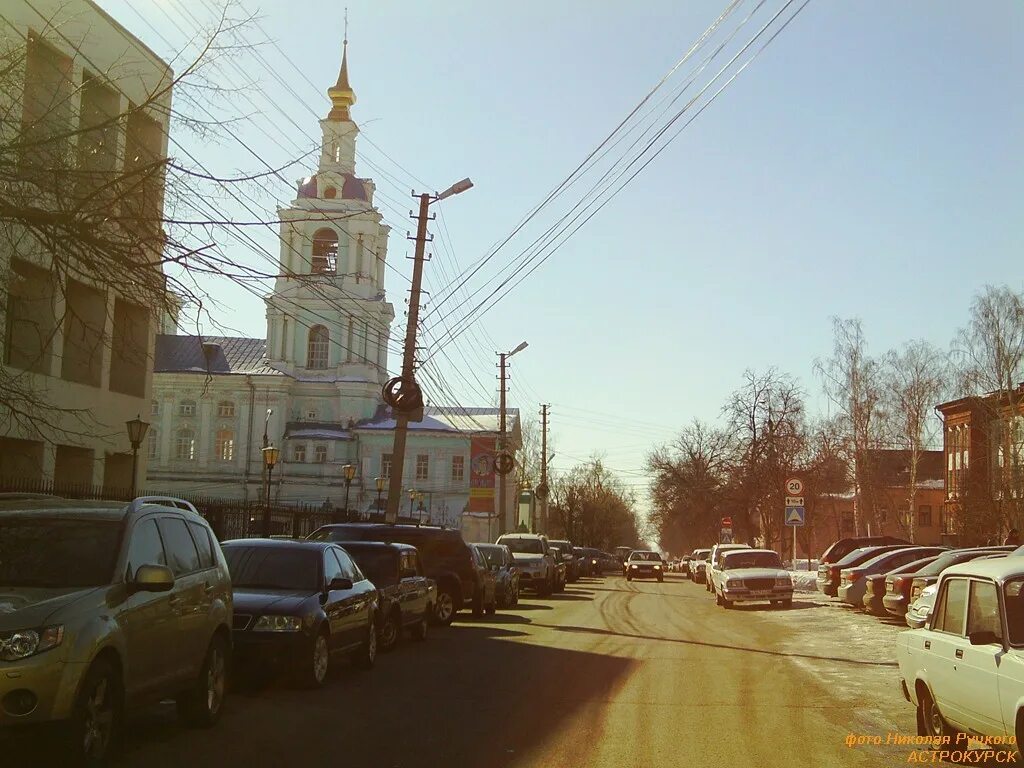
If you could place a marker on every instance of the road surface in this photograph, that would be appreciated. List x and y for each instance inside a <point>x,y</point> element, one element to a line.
<point>610,673</point>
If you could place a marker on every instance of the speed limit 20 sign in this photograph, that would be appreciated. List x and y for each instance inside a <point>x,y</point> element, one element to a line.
<point>794,486</point>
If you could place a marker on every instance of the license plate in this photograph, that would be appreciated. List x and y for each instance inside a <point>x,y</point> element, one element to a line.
<point>760,593</point>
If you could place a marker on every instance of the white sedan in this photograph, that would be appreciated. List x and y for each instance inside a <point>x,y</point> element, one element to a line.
<point>749,575</point>
<point>964,670</point>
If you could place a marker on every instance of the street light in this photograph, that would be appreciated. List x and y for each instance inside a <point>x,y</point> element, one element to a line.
<point>380,489</point>
<point>412,498</point>
<point>455,189</point>
<point>137,429</point>
<point>349,471</point>
<point>270,457</point>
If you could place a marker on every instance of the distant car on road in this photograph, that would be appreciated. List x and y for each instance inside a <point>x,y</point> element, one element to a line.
<point>506,574</point>
<point>964,671</point>
<point>534,560</point>
<point>486,598</point>
<point>714,567</point>
<point>297,604</point>
<point>572,566</point>
<point>106,606</point>
<point>592,561</point>
<point>698,565</point>
<point>748,575</point>
<point>644,564</point>
<point>561,566</point>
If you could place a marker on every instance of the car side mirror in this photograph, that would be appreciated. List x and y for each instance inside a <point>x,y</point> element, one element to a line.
<point>984,637</point>
<point>339,582</point>
<point>153,578</point>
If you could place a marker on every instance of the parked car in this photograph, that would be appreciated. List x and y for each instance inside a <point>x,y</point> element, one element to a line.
<point>964,671</point>
<point>107,606</point>
<point>561,567</point>
<point>572,567</point>
<point>903,590</point>
<point>443,554</point>
<point>534,560</point>
<point>876,583</point>
<point>714,566</point>
<point>297,604</point>
<point>829,575</point>
<point>684,565</point>
<point>698,565</point>
<point>921,608</point>
<point>405,596</point>
<point>852,581</point>
<point>610,563</point>
<point>837,550</point>
<point>748,575</point>
<point>506,574</point>
<point>644,564</point>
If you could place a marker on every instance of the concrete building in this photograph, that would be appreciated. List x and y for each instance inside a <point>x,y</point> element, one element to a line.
<point>88,104</point>
<point>312,387</point>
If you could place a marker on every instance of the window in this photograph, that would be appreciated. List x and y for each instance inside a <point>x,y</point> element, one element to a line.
<point>84,322</point>
<point>924,516</point>
<point>187,408</point>
<point>325,252</point>
<point>332,568</point>
<point>320,454</point>
<point>154,408</point>
<point>129,355</point>
<point>348,567</point>
<point>144,171</point>
<point>422,466</point>
<point>311,414</point>
<point>97,140</point>
<point>30,317</point>
<point>185,445</point>
<point>458,468</point>
<point>153,443</point>
<point>952,607</point>
<point>299,452</point>
<point>983,609</point>
<point>225,409</point>
<point>224,445</point>
<point>46,112</point>
<point>385,465</point>
<point>205,546</point>
<point>967,459</point>
<point>146,548</point>
<point>182,555</point>
<point>316,352</point>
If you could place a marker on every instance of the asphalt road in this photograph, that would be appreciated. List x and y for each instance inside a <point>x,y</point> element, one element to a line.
<point>610,673</point>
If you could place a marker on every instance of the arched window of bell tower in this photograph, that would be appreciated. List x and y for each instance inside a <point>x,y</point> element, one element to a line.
<point>325,251</point>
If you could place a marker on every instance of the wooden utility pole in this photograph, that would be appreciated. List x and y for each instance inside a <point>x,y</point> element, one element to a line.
<point>501,444</point>
<point>544,468</point>
<point>408,363</point>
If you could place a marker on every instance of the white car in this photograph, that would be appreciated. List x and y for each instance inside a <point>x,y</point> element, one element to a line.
<point>698,565</point>
<point>964,670</point>
<point>749,575</point>
<point>534,559</point>
<point>714,566</point>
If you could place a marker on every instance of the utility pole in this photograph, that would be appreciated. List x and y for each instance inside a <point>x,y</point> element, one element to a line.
<point>544,467</point>
<point>402,393</point>
<point>408,363</point>
<point>501,444</point>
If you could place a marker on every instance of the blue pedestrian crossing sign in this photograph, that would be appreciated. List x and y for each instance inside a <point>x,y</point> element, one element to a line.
<point>794,515</point>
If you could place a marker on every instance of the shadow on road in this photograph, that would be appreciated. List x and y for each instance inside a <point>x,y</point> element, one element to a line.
<point>756,607</point>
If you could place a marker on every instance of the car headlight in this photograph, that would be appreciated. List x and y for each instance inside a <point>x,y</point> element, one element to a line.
<point>278,624</point>
<point>783,581</point>
<point>931,589</point>
<point>28,642</point>
<point>633,566</point>
<point>733,583</point>
<point>593,562</point>
<point>657,567</point>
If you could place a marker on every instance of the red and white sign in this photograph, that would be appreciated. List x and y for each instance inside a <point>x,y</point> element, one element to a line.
<point>727,522</point>
<point>794,486</point>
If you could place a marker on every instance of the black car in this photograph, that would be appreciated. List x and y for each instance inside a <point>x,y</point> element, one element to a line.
<point>444,556</point>
<point>829,573</point>
<point>572,565</point>
<point>297,603</point>
<point>405,596</point>
<point>592,559</point>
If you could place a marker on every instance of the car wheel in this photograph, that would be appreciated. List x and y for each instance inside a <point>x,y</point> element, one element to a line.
<point>478,604</point>
<point>97,716</point>
<point>629,578</point>
<point>727,604</point>
<point>419,630</point>
<point>661,579</point>
<point>718,599</point>
<point>515,595</point>
<point>545,589</point>
<point>314,671</point>
<point>390,630</point>
<point>492,608</point>
<point>201,706</point>
<point>787,603</point>
<point>929,718</point>
<point>445,610</point>
<point>366,655</point>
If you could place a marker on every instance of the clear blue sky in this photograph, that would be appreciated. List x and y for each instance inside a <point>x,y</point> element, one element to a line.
<point>867,164</point>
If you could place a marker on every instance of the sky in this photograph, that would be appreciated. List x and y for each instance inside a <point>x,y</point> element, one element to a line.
<point>867,164</point>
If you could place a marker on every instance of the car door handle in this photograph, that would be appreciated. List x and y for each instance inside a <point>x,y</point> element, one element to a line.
<point>208,588</point>
<point>959,653</point>
<point>927,645</point>
<point>174,601</point>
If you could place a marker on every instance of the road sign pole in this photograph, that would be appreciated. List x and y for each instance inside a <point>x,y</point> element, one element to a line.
<point>794,547</point>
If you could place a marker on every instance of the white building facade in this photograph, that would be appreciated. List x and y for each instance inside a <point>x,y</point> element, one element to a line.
<point>313,386</point>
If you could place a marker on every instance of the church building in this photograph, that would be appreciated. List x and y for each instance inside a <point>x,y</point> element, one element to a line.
<point>312,387</point>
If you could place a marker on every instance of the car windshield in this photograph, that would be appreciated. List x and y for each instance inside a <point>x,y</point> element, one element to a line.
<point>379,564</point>
<point>701,554</point>
<point>652,557</point>
<point>285,568</point>
<point>58,552</point>
<point>751,560</point>
<point>525,546</point>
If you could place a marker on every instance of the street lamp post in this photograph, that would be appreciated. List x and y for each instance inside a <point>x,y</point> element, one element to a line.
<point>270,457</point>
<point>504,356</point>
<point>349,472</point>
<point>412,498</point>
<point>137,429</point>
<point>380,489</point>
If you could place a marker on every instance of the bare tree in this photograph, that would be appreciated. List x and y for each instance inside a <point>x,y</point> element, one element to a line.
<point>914,380</point>
<point>593,508</point>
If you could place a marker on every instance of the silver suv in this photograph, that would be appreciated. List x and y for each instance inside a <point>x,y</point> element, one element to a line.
<point>106,605</point>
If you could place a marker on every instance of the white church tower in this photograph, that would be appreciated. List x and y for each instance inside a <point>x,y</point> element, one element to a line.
<point>328,319</point>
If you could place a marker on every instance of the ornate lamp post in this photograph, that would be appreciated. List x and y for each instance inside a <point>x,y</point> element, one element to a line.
<point>270,457</point>
<point>380,489</point>
<point>349,471</point>
<point>412,498</point>
<point>137,429</point>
